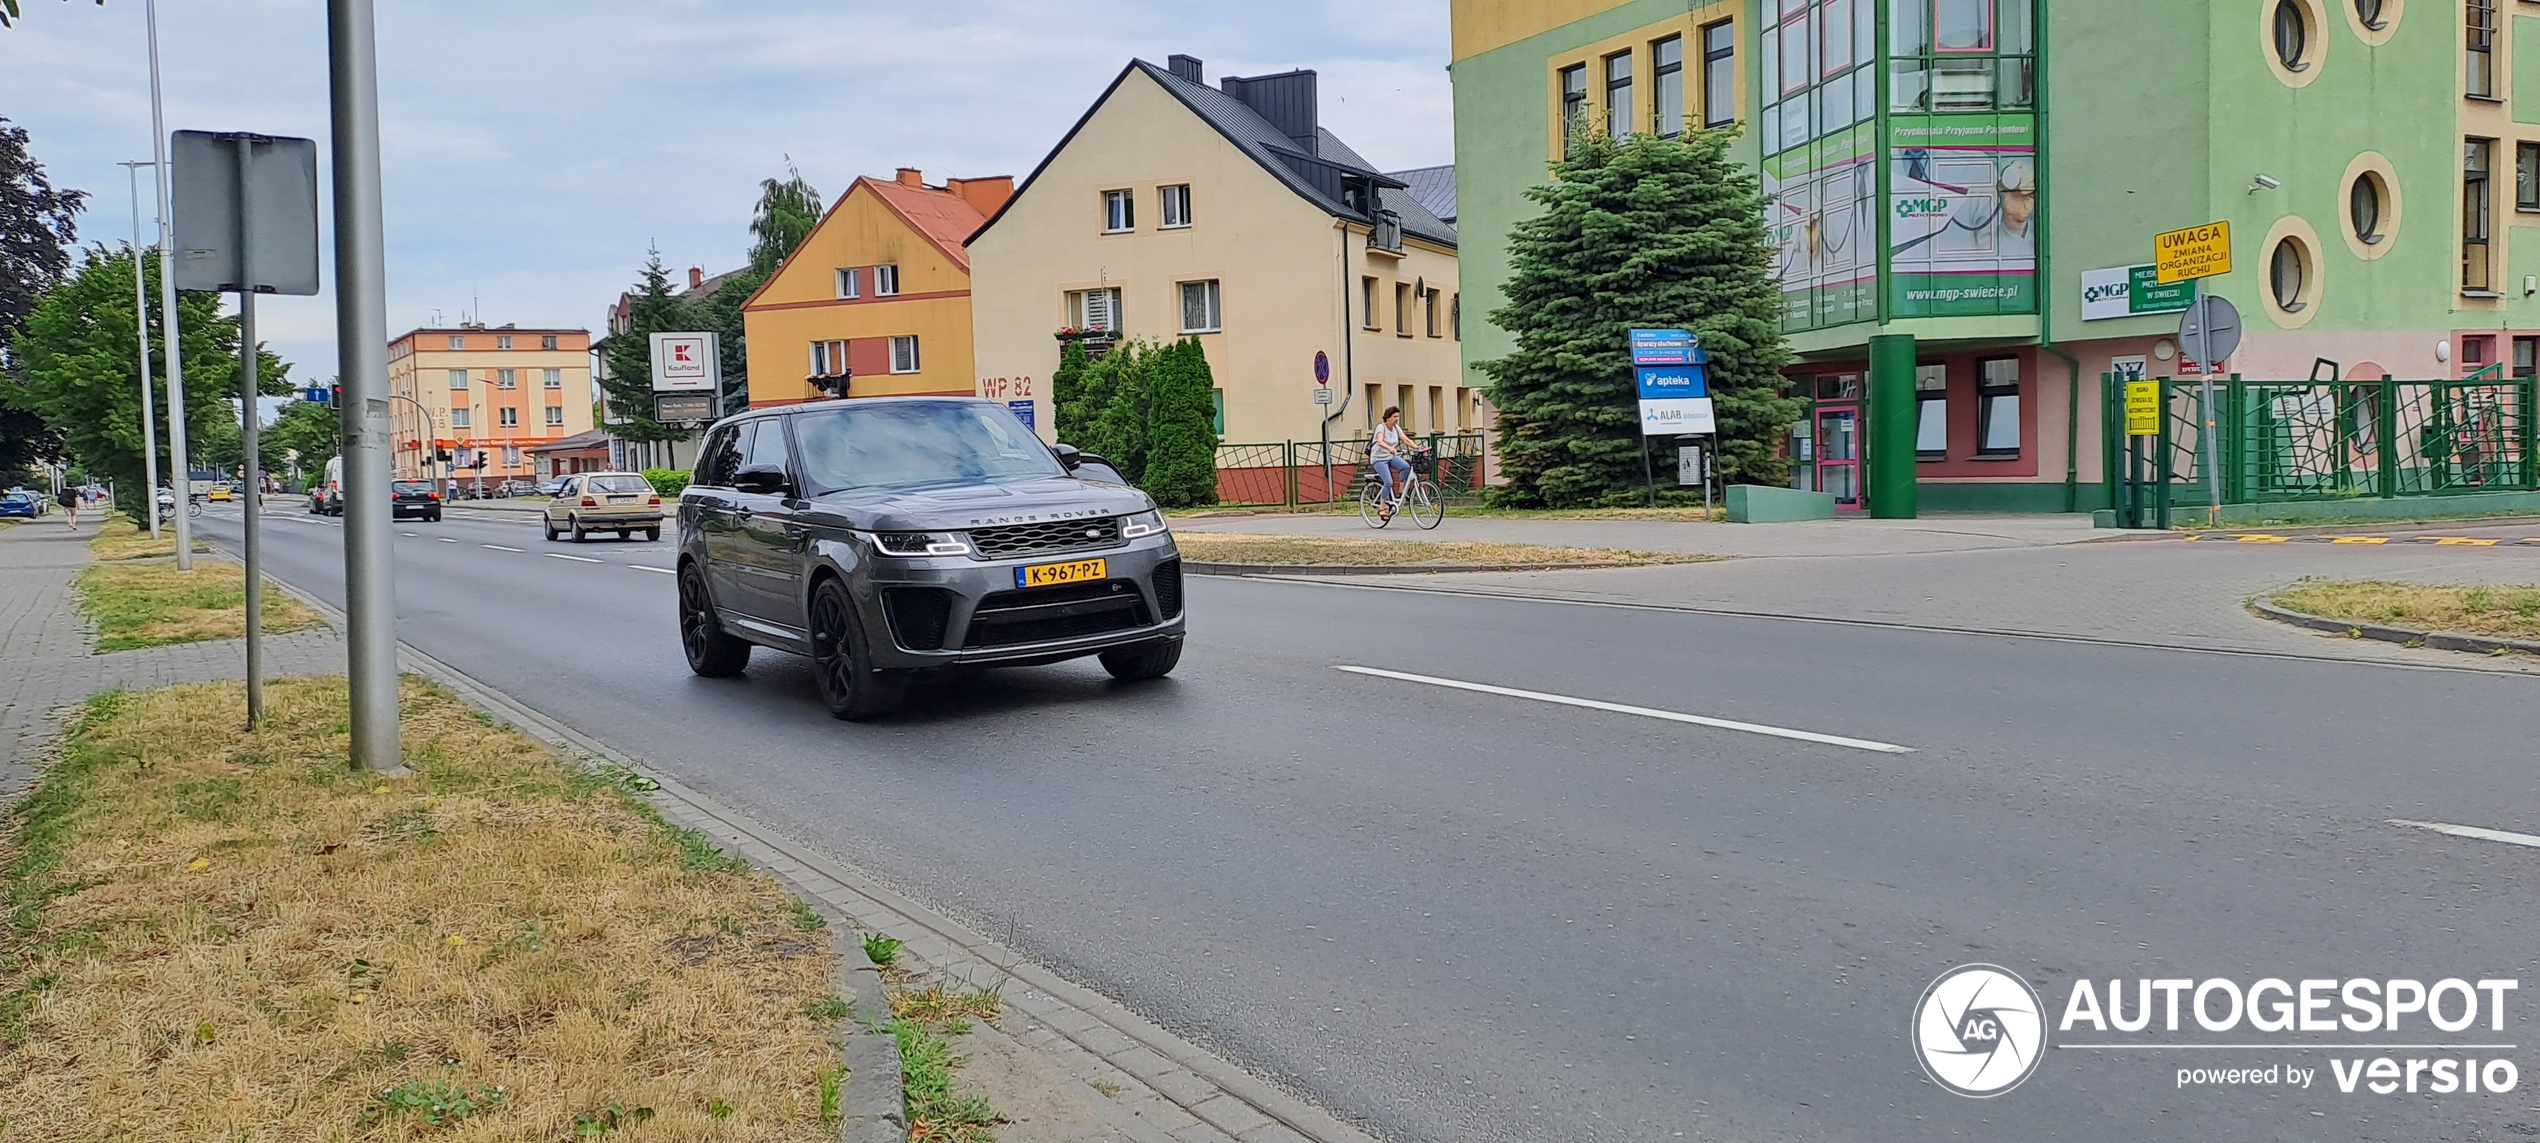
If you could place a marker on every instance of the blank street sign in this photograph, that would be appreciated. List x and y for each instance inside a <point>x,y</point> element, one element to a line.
<point>282,195</point>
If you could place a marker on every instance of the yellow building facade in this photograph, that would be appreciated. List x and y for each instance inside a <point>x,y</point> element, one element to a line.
<point>484,391</point>
<point>877,297</point>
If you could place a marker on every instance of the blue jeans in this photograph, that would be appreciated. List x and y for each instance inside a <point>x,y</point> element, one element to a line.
<point>1396,473</point>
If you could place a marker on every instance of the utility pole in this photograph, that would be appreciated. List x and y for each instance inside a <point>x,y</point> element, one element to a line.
<point>168,324</point>
<point>141,332</point>
<point>253,479</point>
<point>361,353</point>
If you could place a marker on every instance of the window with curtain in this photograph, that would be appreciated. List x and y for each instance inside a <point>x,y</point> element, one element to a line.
<point>850,282</point>
<point>555,415</point>
<point>1173,204</point>
<point>458,377</point>
<point>1199,307</point>
<point>886,281</point>
<point>1119,212</point>
<point>552,378</point>
<point>508,417</point>
<point>904,354</point>
<point>1094,309</point>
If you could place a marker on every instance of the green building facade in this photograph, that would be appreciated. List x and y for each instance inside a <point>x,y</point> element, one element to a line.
<point>1964,196</point>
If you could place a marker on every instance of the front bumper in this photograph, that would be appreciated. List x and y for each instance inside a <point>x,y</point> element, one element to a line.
<point>955,611</point>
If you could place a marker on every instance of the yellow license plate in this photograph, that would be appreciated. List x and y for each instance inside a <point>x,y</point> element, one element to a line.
<point>1051,575</point>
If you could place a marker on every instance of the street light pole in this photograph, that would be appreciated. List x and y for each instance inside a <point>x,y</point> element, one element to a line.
<point>361,354</point>
<point>141,333</point>
<point>178,458</point>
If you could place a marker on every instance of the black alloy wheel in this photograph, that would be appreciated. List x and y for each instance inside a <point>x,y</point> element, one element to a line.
<point>711,653</point>
<point>848,684</point>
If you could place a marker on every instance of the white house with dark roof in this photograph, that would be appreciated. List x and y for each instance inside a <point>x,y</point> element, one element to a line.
<point>1228,213</point>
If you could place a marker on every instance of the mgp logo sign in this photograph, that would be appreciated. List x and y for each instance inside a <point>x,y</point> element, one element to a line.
<point>685,361</point>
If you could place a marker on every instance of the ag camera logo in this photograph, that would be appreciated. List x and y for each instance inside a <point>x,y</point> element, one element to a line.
<point>1979,1030</point>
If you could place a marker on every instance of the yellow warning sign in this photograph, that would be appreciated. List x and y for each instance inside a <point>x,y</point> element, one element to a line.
<point>2143,408</point>
<point>2196,252</point>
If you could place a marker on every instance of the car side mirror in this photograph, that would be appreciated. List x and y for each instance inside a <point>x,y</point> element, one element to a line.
<point>1069,456</point>
<point>761,479</point>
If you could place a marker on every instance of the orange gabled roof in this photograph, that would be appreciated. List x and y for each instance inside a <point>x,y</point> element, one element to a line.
<point>945,218</point>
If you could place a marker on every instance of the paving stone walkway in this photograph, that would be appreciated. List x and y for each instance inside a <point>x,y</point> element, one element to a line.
<point>48,663</point>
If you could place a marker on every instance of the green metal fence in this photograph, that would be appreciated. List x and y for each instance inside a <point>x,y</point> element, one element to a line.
<point>1290,474</point>
<point>2321,439</point>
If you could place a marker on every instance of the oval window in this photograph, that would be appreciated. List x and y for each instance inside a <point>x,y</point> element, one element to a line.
<point>2363,206</point>
<point>2369,11</point>
<point>2288,271</point>
<point>2292,34</point>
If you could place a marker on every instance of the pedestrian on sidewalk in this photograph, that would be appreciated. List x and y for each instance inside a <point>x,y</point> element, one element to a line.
<point>69,497</point>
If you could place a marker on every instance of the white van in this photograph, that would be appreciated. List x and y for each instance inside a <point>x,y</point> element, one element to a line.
<point>326,497</point>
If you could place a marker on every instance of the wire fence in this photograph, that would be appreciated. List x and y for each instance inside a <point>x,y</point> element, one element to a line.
<point>1291,474</point>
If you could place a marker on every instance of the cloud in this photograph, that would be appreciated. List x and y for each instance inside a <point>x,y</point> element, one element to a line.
<point>533,149</point>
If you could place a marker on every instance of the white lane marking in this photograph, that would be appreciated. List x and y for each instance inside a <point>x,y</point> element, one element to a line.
<point>2507,837</point>
<point>664,571</point>
<point>445,539</point>
<point>400,533</point>
<point>1644,712</point>
<point>576,559</point>
<point>500,548</point>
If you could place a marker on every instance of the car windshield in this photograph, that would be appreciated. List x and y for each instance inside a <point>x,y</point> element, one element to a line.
<point>621,485</point>
<point>921,442</point>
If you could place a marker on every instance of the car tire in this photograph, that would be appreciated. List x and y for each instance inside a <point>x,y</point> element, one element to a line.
<point>548,526</point>
<point>575,524</point>
<point>849,686</point>
<point>1150,660</point>
<point>652,535</point>
<point>710,651</point>
<point>623,535</point>
<point>436,517</point>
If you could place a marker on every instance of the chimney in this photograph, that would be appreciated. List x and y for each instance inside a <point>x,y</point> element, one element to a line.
<point>1184,68</point>
<point>912,177</point>
<point>983,195</point>
<point>696,276</point>
<point>1287,100</point>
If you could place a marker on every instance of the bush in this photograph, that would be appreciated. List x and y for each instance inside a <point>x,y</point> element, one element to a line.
<point>1067,395</point>
<point>1116,387</point>
<point>670,482</point>
<point>1181,429</point>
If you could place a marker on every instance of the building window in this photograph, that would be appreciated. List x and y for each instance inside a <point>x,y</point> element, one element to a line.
<point>1719,74</point>
<point>904,354</point>
<point>1094,309</point>
<point>2475,272</point>
<point>2526,356</point>
<point>1667,66</point>
<point>507,379</point>
<point>1367,302</point>
<point>2478,67</point>
<point>555,414</point>
<point>554,378</point>
<point>508,417</point>
<point>886,281</point>
<point>2369,12</point>
<point>1998,406</point>
<point>1618,94</point>
<point>2474,350</point>
<point>1402,309</point>
<point>1455,315</point>
<point>1573,108</point>
<point>457,342</point>
<point>829,358</point>
<point>1931,405</point>
<point>2364,202</point>
<point>850,282</point>
<point>458,379</point>
<point>1173,203</point>
<point>1119,212</point>
<point>2292,35</point>
<point>2527,176</point>
<point>503,341</point>
<point>1429,313</point>
<point>511,456</point>
<point>2288,275</point>
<point>1199,307</point>
<point>546,341</point>
<point>458,418</point>
<point>1217,411</point>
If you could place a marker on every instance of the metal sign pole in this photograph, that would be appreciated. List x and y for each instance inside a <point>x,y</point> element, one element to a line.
<point>361,347</point>
<point>141,332</point>
<point>171,337</point>
<point>2205,413</point>
<point>253,477</point>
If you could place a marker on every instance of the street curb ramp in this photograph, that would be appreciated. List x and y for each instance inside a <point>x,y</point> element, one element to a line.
<point>2437,640</point>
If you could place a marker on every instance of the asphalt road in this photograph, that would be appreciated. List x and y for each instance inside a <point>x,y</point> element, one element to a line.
<point>1454,915</point>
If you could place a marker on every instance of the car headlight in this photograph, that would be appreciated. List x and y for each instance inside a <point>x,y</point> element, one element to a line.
<point>921,543</point>
<point>1141,525</point>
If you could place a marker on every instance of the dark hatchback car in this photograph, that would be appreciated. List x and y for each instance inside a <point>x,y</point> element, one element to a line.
<point>413,498</point>
<point>886,537</point>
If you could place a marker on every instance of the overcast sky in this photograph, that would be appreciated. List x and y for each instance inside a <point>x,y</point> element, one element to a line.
<point>534,148</point>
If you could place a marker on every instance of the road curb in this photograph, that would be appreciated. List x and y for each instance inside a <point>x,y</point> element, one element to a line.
<point>2438,640</point>
<point>1203,567</point>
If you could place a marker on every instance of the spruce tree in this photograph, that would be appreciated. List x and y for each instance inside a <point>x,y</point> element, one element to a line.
<point>629,387</point>
<point>1643,232</point>
<point>1181,447</point>
<point>1120,428</point>
<point>1074,421</point>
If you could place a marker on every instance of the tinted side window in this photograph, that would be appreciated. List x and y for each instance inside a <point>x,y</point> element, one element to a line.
<point>767,446</point>
<point>721,458</point>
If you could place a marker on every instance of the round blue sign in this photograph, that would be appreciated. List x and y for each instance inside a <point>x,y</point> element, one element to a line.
<point>1322,368</point>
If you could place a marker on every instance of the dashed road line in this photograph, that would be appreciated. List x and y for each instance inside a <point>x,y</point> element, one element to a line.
<point>416,534</point>
<point>445,539</point>
<point>2506,836</point>
<point>2437,541</point>
<point>500,548</point>
<point>576,559</point>
<point>664,571</point>
<point>1642,711</point>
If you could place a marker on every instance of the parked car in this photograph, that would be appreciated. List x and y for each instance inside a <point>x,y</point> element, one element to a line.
<point>43,501</point>
<point>620,502</point>
<point>326,497</point>
<point>517,486</point>
<point>552,487</point>
<point>18,504</point>
<point>413,498</point>
<point>890,537</point>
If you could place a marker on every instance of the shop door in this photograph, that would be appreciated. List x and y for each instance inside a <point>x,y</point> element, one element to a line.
<point>1838,452</point>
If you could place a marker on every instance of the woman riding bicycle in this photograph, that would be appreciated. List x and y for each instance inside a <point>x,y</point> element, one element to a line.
<point>1389,451</point>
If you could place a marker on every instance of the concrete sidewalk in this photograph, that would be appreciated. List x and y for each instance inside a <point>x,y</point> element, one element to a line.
<point>1857,537</point>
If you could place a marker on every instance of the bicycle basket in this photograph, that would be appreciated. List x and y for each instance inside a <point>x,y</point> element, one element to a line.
<point>1424,462</point>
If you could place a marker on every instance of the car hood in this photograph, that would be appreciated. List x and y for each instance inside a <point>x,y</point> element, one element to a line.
<point>960,507</point>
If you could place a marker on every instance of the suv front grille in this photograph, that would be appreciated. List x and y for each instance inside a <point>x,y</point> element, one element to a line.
<point>1039,539</point>
<point>1038,615</point>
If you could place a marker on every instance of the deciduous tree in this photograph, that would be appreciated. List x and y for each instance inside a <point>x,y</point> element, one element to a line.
<point>38,225</point>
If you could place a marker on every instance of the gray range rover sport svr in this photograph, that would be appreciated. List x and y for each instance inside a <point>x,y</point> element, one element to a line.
<point>885,537</point>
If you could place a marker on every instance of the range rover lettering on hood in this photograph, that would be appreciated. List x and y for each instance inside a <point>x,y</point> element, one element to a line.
<point>1037,517</point>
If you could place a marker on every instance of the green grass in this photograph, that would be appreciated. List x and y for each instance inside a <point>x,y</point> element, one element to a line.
<point>936,1114</point>
<point>882,950</point>
<point>137,605</point>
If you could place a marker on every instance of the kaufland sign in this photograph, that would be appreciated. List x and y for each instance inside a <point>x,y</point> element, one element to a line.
<point>685,361</point>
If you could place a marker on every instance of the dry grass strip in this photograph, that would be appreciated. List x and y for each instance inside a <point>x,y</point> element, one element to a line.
<point>121,539</point>
<point>2508,610</point>
<point>154,604</point>
<point>1325,551</point>
<point>223,935</point>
